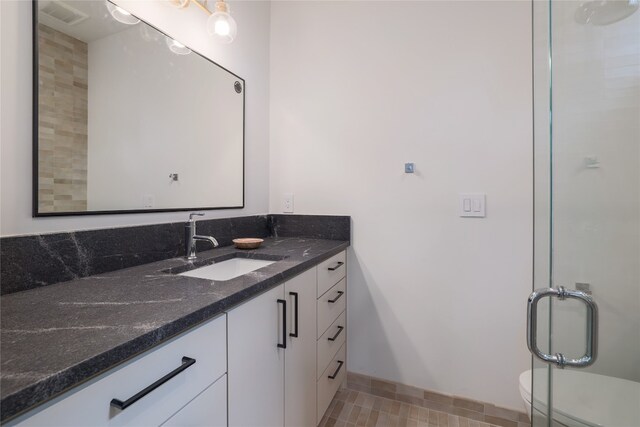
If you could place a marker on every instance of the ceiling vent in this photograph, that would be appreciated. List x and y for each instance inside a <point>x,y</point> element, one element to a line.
<point>63,13</point>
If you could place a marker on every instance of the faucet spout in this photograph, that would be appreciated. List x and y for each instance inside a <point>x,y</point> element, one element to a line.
<point>209,239</point>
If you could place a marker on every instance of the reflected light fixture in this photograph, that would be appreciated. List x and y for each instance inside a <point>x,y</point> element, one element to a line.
<point>605,12</point>
<point>121,15</point>
<point>177,47</point>
<point>220,24</point>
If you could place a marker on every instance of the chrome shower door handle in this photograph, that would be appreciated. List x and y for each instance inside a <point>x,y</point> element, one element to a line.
<point>558,359</point>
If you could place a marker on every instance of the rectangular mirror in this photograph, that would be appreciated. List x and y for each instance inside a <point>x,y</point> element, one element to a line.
<point>127,119</point>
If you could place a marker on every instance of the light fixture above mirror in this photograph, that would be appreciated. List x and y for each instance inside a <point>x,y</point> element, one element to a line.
<point>220,24</point>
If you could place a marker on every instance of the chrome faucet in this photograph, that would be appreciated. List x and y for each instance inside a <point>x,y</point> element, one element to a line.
<point>190,237</point>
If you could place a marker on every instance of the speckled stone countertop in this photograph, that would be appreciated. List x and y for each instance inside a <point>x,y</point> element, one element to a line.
<point>57,336</point>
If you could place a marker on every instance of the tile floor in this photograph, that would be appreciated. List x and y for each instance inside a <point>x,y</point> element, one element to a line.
<point>357,408</point>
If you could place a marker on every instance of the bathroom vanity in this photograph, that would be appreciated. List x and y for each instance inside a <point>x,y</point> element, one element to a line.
<point>151,346</point>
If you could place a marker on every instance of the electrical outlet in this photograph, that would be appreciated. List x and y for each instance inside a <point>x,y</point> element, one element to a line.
<point>148,200</point>
<point>287,203</point>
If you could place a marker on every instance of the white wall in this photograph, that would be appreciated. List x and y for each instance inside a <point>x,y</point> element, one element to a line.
<point>145,124</point>
<point>247,56</point>
<point>359,88</point>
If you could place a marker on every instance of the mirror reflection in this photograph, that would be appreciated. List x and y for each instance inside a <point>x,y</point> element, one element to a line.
<point>129,119</point>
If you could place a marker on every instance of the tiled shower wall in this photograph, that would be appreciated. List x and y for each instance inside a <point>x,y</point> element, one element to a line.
<point>62,120</point>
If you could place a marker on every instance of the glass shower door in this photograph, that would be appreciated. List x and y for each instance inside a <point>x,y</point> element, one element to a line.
<point>587,211</point>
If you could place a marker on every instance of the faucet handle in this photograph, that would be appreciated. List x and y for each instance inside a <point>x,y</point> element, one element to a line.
<point>191,215</point>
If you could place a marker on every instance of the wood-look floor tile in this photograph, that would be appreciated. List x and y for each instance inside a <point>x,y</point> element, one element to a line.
<point>413,412</point>
<point>363,416</point>
<point>373,418</point>
<point>353,416</point>
<point>368,401</point>
<point>386,405</point>
<point>423,415</point>
<point>433,418</point>
<point>377,403</point>
<point>395,408</point>
<point>336,409</point>
<point>404,410</point>
<point>346,411</point>
<point>443,419</point>
<point>383,420</point>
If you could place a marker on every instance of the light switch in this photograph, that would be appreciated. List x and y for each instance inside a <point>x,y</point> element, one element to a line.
<point>473,205</point>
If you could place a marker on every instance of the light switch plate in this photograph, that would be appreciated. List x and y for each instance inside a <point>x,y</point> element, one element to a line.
<point>287,203</point>
<point>473,205</point>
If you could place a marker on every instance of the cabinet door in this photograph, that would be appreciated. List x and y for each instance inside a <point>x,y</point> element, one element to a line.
<point>255,362</point>
<point>300,355</point>
<point>208,409</point>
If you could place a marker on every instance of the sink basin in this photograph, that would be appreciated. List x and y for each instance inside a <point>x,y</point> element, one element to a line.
<point>227,270</point>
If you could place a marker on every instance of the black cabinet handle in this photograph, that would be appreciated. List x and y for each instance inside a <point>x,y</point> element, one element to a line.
<point>295,314</point>
<point>284,323</point>
<point>335,374</point>
<point>337,266</point>
<point>333,338</point>
<point>117,403</point>
<point>340,293</point>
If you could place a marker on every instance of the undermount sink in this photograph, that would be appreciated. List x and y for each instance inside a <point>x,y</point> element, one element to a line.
<point>228,269</point>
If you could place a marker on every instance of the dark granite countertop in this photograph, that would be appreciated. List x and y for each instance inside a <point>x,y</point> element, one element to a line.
<point>58,336</point>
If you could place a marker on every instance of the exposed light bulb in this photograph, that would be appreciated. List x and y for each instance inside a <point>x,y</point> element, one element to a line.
<point>221,25</point>
<point>121,15</point>
<point>222,28</point>
<point>177,47</point>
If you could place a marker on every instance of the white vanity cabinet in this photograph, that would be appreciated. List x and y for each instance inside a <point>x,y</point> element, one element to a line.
<point>272,353</point>
<point>287,350</point>
<point>300,354</point>
<point>197,363</point>
<point>256,361</point>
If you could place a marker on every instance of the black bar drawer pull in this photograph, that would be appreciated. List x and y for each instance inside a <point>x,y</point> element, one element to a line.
<point>335,374</point>
<point>333,338</point>
<point>295,315</point>
<point>337,266</point>
<point>117,403</point>
<point>340,293</point>
<point>284,323</point>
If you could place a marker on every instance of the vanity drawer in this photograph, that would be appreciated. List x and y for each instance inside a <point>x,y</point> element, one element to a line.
<point>90,404</point>
<point>331,272</point>
<point>209,409</point>
<point>330,342</point>
<point>330,305</point>
<point>328,386</point>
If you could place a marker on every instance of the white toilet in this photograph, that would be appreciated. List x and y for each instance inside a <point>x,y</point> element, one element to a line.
<point>583,399</point>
